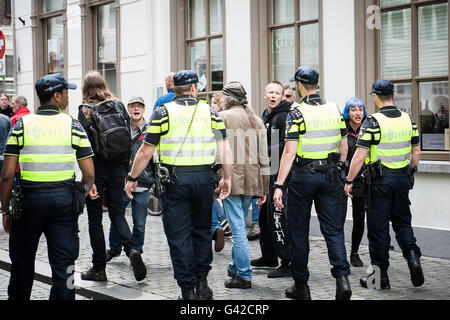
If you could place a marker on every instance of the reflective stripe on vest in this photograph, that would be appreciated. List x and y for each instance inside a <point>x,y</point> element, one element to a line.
<point>394,149</point>
<point>199,147</point>
<point>323,131</point>
<point>47,154</point>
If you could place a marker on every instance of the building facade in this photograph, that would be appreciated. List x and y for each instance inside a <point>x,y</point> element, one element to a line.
<point>136,43</point>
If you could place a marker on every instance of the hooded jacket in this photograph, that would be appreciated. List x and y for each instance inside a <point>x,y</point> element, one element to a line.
<point>276,120</point>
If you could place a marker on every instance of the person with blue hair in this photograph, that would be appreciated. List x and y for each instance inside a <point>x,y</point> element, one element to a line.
<point>355,112</point>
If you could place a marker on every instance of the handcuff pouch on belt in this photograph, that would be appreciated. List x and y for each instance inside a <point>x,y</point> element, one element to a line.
<point>410,171</point>
<point>16,202</point>
<point>79,198</point>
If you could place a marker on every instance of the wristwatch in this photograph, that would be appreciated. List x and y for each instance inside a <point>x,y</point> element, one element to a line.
<point>5,213</point>
<point>279,186</point>
<point>348,182</point>
<point>130,178</point>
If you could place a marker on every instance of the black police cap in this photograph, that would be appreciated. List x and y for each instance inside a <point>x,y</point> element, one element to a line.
<point>52,83</point>
<point>382,88</point>
<point>306,75</point>
<point>185,77</point>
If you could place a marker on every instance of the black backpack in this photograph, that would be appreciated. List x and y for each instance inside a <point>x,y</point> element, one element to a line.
<point>111,136</point>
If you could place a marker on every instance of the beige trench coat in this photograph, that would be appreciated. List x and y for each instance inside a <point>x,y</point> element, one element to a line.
<point>250,155</point>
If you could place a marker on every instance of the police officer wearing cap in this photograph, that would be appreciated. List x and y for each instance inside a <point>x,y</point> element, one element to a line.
<point>389,143</point>
<point>46,145</point>
<point>315,133</point>
<point>188,133</point>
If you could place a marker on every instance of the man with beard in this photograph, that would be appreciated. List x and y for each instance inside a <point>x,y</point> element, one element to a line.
<point>273,239</point>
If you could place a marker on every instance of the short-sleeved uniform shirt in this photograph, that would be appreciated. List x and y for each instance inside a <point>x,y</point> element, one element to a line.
<point>296,126</point>
<point>370,133</point>
<point>158,125</point>
<point>80,143</point>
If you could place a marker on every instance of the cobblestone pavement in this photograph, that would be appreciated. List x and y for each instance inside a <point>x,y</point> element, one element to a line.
<point>160,283</point>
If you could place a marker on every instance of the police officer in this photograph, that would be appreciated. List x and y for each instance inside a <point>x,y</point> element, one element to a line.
<point>393,142</point>
<point>315,132</point>
<point>188,133</point>
<point>46,145</point>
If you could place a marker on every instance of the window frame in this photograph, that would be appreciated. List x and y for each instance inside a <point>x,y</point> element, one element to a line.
<point>39,36</point>
<point>416,79</point>
<point>261,50</point>
<point>296,24</point>
<point>44,18</point>
<point>89,39</point>
<point>181,39</point>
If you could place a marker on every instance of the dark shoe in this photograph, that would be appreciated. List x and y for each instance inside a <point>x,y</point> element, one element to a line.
<point>281,272</point>
<point>343,290</point>
<point>298,292</point>
<point>254,232</point>
<point>238,283</point>
<point>219,240</point>
<point>139,269</point>
<point>187,294</point>
<point>262,263</point>
<point>415,269</point>
<point>110,255</point>
<point>230,274</point>
<point>203,291</point>
<point>355,260</point>
<point>94,275</point>
<point>384,281</point>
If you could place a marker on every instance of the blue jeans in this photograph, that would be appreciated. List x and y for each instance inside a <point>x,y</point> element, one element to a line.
<point>255,212</point>
<point>217,217</point>
<point>235,208</point>
<point>139,206</point>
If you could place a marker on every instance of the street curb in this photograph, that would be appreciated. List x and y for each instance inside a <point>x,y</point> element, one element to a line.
<point>87,293</point>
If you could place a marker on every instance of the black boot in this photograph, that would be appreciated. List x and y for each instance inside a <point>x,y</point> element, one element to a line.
<point>384,283</point>
<point>139,269</point>
<point>355,260</point>
<point>203,291</point>
<point>187,294</point>
<point>238,283</point>
<point>281,272</point>
<point>298,292</point>
<point>415,268</point>
<point>94,275</point>
<point>343,290</point>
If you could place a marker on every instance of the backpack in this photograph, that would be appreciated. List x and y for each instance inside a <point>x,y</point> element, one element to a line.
<point>111,137</point>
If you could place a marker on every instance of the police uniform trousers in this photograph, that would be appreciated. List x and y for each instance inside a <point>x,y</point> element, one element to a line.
<point>187,205</point>
<point>304,188</point>
<point>51,214</point>
<point>274,241</point>
<point>389,201</point>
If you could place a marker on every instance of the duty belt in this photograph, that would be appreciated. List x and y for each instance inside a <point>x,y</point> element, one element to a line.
<point>313,166</point>
<point>204,168</point>
<point>47,190</point>
<point>387,170</point>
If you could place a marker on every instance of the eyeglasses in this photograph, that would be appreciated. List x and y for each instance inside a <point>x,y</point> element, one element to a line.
<point>288,96</point>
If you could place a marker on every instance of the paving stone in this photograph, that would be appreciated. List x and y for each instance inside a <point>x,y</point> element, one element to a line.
<point>160,283</point>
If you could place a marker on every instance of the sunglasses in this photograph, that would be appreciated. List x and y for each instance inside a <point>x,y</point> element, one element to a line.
<point>288,96</point>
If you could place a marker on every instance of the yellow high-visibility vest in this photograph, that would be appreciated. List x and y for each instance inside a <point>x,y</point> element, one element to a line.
<point>199,147</point>
<point>47,154</point>
<point>394,149</point>
<point>323,131</point>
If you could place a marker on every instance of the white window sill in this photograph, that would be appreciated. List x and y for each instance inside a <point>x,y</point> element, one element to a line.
<point>434,167</point>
